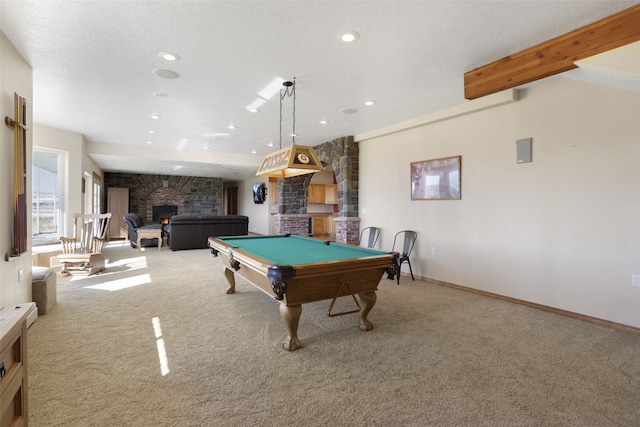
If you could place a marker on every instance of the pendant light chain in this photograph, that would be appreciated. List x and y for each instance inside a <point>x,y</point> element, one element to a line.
<point>281,96</point>
<point>288,90</point>
<point>293,135</point>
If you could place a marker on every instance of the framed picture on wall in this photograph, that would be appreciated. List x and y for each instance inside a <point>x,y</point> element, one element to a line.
<point>437,179</point>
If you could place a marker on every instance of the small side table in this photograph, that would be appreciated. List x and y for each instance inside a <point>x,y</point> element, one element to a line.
<point>154,233</point>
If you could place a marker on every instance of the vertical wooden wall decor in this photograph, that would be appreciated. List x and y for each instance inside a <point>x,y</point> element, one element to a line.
<point>19,126</point>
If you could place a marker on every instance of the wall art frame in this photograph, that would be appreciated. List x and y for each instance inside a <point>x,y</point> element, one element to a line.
<point>437,179</point>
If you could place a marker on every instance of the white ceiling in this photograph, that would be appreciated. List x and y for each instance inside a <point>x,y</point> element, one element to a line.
<point>93,65</point>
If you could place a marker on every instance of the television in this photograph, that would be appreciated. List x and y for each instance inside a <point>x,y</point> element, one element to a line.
<point>259,193</point>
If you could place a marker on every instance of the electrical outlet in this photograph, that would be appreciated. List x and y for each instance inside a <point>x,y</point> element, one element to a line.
<point>433,250</point>
<point>635,280</point>
<point>20,275</point>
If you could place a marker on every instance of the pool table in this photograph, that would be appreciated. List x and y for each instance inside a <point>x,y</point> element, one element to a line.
<point>297,270</point>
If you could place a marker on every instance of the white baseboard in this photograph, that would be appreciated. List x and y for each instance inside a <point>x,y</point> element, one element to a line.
<point>32,316</point>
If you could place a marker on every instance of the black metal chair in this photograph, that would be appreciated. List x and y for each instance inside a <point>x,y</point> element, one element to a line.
<point>405,240</point>
<point>369,236</point>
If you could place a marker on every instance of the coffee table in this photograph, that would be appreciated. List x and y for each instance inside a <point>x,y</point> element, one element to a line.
<point>152,233</point>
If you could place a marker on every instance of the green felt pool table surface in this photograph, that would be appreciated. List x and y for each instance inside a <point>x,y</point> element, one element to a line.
<point>292,250</point>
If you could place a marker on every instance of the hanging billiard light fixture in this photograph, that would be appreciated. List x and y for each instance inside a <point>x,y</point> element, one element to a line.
<point>294,160</point>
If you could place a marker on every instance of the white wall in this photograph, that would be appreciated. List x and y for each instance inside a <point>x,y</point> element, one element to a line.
<point>15,77</point>
<point>258,213</point>
<point>73,148</point>
<point>561,231</point>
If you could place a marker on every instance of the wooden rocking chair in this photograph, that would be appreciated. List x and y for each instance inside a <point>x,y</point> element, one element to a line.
<point>82,253</point>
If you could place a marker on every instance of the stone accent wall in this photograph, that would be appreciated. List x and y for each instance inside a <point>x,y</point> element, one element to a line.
<point>192,195</point>
<point>342,154</point>
<point>292,195</point>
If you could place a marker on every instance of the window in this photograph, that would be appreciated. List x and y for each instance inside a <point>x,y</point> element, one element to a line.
<point>92,193</point>
<point>96,194</point>
<point>46,200</point>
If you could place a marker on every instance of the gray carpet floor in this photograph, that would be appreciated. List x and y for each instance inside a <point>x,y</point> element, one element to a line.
<point>437,356</point>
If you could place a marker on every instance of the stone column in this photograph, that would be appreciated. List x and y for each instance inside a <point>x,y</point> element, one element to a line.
<point>348,230</point>
<point>342,154</point>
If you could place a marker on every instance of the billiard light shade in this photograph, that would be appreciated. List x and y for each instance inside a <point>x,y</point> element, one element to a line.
<point>293,160</point>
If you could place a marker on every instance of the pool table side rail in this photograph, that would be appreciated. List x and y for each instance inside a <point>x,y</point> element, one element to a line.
<point>315,283</point>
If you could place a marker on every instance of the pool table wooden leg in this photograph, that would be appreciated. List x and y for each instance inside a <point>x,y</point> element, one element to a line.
<point>291,317</point>
<point>368,300</point>
<point>231,279</point>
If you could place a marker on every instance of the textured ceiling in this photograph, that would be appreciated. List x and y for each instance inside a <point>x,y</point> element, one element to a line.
<point>93,65</point>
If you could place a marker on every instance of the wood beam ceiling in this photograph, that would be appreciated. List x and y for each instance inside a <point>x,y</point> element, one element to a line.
<point>554,56</point>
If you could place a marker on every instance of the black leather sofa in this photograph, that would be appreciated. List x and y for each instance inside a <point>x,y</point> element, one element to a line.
<point>190,231</point>
<point>134,223</point>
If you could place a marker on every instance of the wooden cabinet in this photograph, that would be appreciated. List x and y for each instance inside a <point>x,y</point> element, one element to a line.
<point>318,224</point>
<point>316,194</point>
<point>331,194</point>
<point>330,225</point>
<point>273,191</point>
<point>323,194</point>
<point>323,225</point>
<point>118,205</point>
<point>14,410</point>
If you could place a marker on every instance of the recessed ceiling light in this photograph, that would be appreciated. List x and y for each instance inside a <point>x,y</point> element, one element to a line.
<point>155,117</point>
<point>254,151</point>
<point>166,74</point>
<point>324,122</point>
<point>369,103</point>
<point>149,142</point>
<point>161,94</point>
<point>348,111</point>
<point>349,36</point>
<point>270,144</point>
<point>152,131</point>
<point>231,126</point>
<point>169,56</point>
<point>254,110</point>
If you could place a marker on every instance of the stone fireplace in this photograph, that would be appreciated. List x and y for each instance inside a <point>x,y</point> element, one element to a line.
<point>162,203</point>
<point>191,194</point>
<point>162,214</point>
